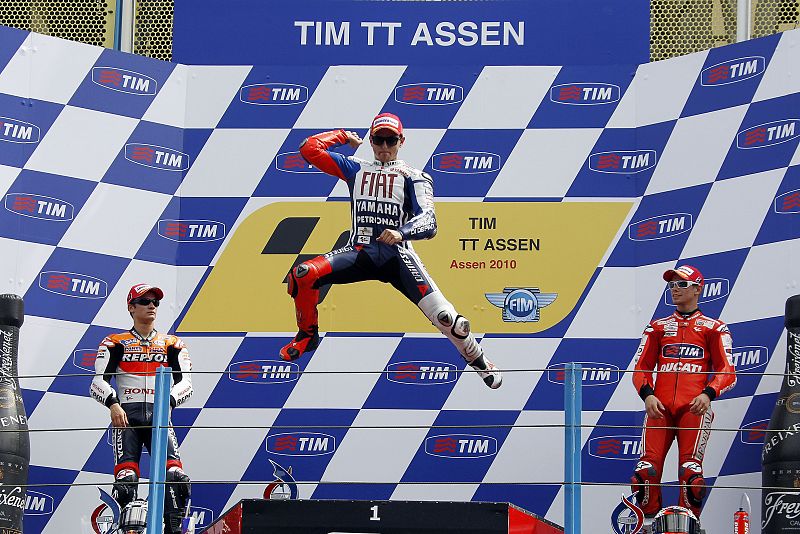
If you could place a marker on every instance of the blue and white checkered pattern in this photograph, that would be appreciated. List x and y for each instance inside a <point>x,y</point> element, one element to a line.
<point>102,152</point>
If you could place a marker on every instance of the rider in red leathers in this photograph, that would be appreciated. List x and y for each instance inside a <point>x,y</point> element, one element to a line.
<point>681,348</point>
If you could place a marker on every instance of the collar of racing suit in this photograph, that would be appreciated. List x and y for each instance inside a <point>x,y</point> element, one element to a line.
<point>389,163</point>
<point>686,315</point>
<point>142,339</point>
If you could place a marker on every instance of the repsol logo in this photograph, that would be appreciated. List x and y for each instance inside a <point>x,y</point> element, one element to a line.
<point>788,202</point>
<point>422,373</point>
<point>461,446</point>
<point>682,350</point>
<point>713,289</point>
<point>84,358</point>
<point>585,94</point>
<point>294,162</point>
<point>189,230</point>
<point>429,94</point>
<point>753,433</point>
<point>17,131</point>
<point>37,503</point>
<point>124,81</point>
<point>301,444</point>
<point>156,157</point>
<point>592,373</point>
<point>74,285</point>
<point>465,162</point>
<point>273,94</point>
<point>732,71</point>
<point>39,207</point>
<point>615,447</point>
<point>768,134</point>
<point>144,357</point>
<point>623,161</point>
<point>660,227</point>
<point>264,371</point>
<point>749,358</point>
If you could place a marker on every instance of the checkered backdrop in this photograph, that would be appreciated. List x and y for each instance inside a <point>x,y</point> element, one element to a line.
<point>117,169</point>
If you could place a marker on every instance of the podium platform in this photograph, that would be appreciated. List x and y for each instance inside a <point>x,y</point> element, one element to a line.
<point>251,516</point>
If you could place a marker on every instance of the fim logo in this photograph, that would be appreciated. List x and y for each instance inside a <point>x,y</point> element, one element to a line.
<point>585,94</point>
<point>284,487</point>
<point>713,289</point>
<point>461,446</point>
<point>623,161</point>
<point>422,373</point>
<point>156,157</point>
<point>429,94</point>
<point>39,207</point>
<point>788,202</point>
<point>273,94</point>
<point>264,372</point>
<point>294,162</point>
<point>627,517</point>
<point>660,227</point>
<point>749,358</point>
<point>466,162</point>
<point>616,447</point>
<point>84,358</point>
<point>16,131</point>
<point>592,373</point>
<point>301,444</point>
<point>753,433</point>
<point>191,231</point>
<point>74,285</point>
<point>38,503</point>
<point>124,81</point>
<point>732,71</point>
<point>521,304</point>
<point>768,134</point>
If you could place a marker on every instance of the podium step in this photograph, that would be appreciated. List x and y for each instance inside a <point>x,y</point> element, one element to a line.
<point>251,516</point>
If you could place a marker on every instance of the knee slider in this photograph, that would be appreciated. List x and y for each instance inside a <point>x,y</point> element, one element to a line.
<point>447,320</point>
<point>125,486</point>
<point>692,476</point>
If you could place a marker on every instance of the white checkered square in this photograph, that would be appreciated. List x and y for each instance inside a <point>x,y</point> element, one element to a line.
<point>772,379</point>
<point>209,355</point>
<point>82,143</point>
<point>781,77</point>
<point>45,344</point>
<point>7,177</point>
<point>504,97</point>
<point>74,513</point>
<point>22,265</point>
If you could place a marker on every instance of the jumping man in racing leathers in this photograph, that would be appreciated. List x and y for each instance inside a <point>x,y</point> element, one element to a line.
<point>682,348</point>
<point>135,355</point>
<point>391,205</point>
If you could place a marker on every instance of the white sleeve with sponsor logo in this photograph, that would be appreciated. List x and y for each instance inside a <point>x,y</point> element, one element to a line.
<point>423,224</point>
<point>100,389</point>
<point>182,390</point>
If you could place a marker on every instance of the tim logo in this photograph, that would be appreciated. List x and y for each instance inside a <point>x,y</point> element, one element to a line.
<point>294,162</point>
<point>466,162</point>
<point>157,157</point>
<point>301,444</point>
<point>422,373</point>
<point>585,94</point>
<point>74,285</point>
<point>623,161</point>
<point>749,358</point>
<point>713,289</point>
<point>732,71</point>
<point>38,503</point>
<point>592,373</point>
<point>683,351</point>
<point>39,207</point>
<point>264,371</point>
<point>84,358</point>
<point>660,227</point>
<point>191,231</point>
<point>202,516</point>
<point>16,131</point>
<point>768,134</point>
<point>753,433</point>
<point>124,81</point>
<point>461,446</point>
<point>788,202</point>
<point>429,94</point>
<point>273,94</point>
<point>616,447</point>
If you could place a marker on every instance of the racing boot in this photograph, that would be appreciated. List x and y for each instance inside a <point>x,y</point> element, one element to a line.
<point>303,342</point>
<point>489,372</point>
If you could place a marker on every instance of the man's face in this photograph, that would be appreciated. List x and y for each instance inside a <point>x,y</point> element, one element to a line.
<point>684,296</point>
<point>381,141</point>
<point>141,312</point>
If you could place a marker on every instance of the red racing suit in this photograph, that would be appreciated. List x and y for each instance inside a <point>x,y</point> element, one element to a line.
<point>681,348</point>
